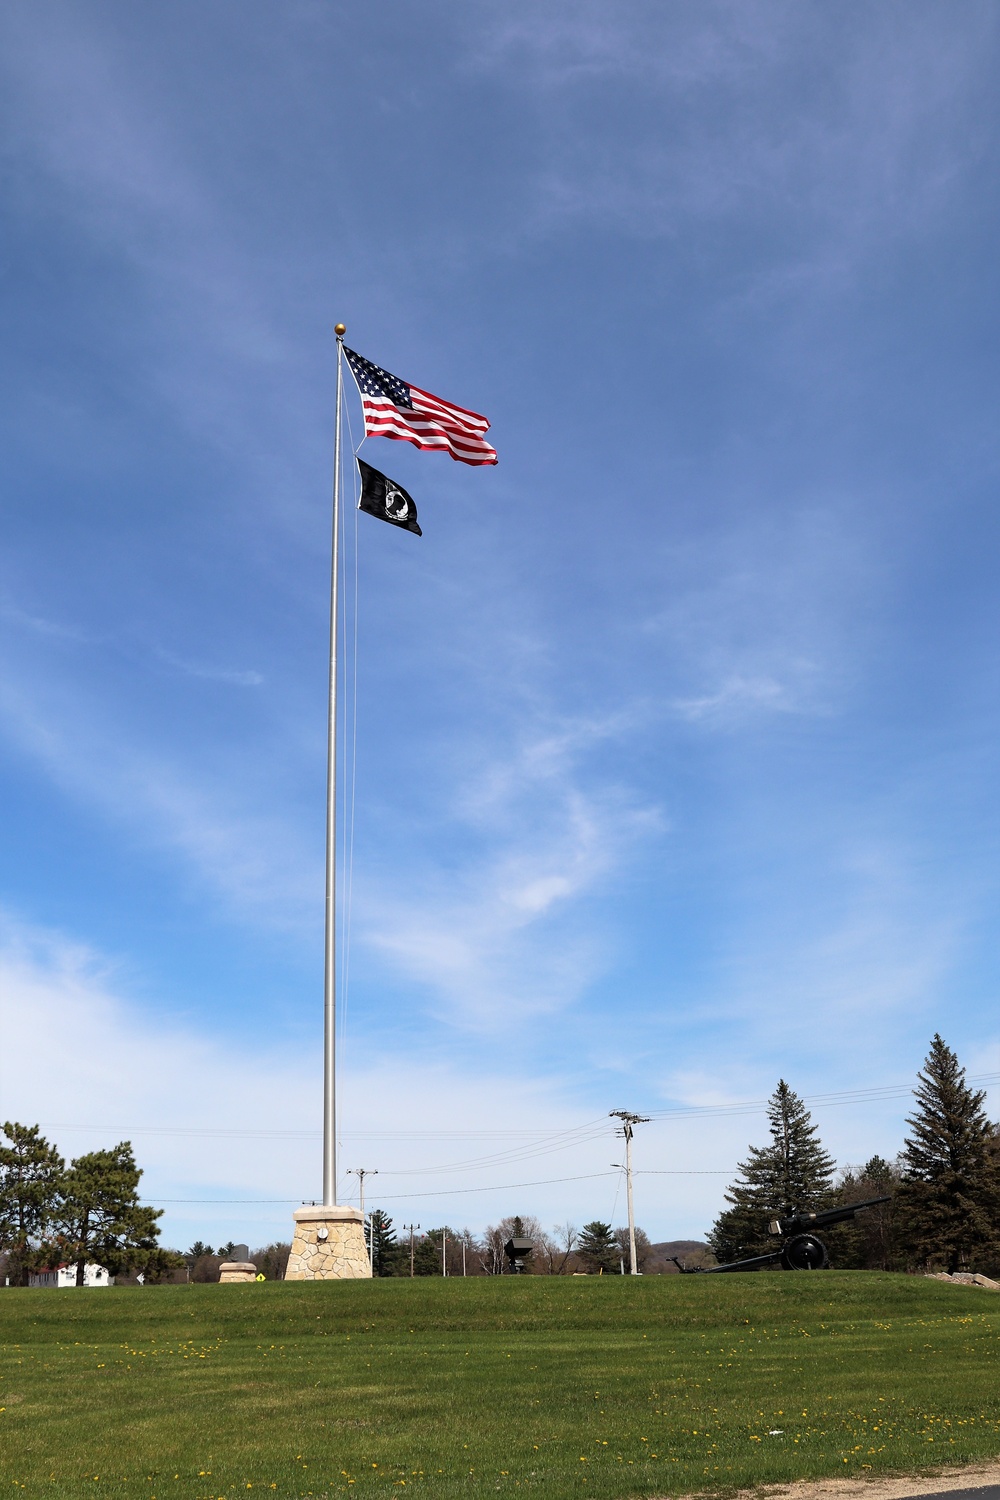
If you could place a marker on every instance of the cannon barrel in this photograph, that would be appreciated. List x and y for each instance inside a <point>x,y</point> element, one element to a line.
<point>752,1263</point>
<point>802,1252</point>
<point>796,1223</point>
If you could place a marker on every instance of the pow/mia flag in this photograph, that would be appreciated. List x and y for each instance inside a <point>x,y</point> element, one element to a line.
<point>383,497</point>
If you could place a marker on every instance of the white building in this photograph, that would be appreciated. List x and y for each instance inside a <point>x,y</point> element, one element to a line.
<point>93,1275</point>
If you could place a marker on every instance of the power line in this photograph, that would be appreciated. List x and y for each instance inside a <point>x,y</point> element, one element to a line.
<point>546,1146</point>
<point>681,1111</point>
<point>310,1135</point>
<point>493,1187</point>
<point>532,1146</point>
<point>814,1101</point>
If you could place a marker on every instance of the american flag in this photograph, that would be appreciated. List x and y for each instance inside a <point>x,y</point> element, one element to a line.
<point>394,409</point>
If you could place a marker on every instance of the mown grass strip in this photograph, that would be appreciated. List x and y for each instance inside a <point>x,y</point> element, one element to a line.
<point>608,1387</point>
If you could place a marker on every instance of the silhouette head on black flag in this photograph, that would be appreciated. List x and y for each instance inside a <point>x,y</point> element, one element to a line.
<point>384,498</point>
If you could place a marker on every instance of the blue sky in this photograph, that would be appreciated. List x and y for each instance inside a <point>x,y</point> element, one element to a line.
<point>676,731</point>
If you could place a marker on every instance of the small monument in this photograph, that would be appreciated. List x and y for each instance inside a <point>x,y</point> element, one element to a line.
<point>237,1270</point>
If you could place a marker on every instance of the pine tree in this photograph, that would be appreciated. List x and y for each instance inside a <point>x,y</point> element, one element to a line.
<point>30,1171</point>
<point>386,1251</point>
<point>427,1258</point>
<point>992,1250</point>
<point>30,1174</point>
<point>948,1200</point>
<point>871,1241</point>
<point>793,1172</point>
<point>99,1216</point>
<point>597,1249</point>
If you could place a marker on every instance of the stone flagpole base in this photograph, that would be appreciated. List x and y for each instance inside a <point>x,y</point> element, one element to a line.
<point>328,1245</point>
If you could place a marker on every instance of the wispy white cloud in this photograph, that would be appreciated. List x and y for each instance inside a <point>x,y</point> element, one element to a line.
<point>118,160</point>
<point>575,42</point>
<point>844,985</point>
<point>211,674</point>
<point>874,154</point>
<point>254,860</point>
<point>216,1117</point>
<point>501,936</point>
<point>40,625</point>
<point>738,696</point>
<point>766,618</point>
<point>60,630</point>
<point>82,1058</point>
<point>499,932</point>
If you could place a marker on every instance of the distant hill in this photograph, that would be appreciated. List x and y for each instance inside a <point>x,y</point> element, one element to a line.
<point>688,1252</point>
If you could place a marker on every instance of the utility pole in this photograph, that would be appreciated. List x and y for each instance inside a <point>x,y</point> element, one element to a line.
<point>444,1252</point>
<point>361,1173</point>
<point>629,1120</point>
<point>411,1228</point>
<point>463,1254</point>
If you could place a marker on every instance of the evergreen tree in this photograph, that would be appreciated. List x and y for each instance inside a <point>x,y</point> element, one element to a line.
<point>272,1260</point>
<point>793,1172</point>
<point>99,1216</point>
<point>597,1247</point>
<point>948,1199</point>
<point>871,1242</point>
<point>992,1250</point>
<point>427,1254</point>
<point>156,1263</point>
<point>386,1251</point>
<point>30,1173</point>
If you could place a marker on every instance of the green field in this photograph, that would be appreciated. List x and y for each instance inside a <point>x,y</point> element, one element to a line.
<point>606,1387</point>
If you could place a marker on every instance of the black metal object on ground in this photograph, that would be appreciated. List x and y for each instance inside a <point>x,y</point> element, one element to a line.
<point>802,1250</point>
<point>517,1251</point>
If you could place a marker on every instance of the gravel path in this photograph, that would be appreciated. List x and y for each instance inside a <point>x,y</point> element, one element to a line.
<point>981,1482</point>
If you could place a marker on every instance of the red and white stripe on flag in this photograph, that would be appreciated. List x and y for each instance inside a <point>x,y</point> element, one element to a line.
<point>430,423</point>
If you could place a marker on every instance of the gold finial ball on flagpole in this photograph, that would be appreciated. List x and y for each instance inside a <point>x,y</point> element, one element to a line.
<point>340,330</point>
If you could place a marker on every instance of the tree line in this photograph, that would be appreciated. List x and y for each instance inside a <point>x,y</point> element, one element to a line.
<point>943,1213</point>
<point>944,1185</point>
<point>53,1214</point>
<point>596,1248</point>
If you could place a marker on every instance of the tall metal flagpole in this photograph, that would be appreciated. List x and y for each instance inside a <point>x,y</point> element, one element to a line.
<point>330,949</point>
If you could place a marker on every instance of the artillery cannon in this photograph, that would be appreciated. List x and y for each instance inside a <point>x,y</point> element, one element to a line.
<point>802,1250</point>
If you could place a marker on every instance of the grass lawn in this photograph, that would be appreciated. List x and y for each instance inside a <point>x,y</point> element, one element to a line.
<point>599,1387</point>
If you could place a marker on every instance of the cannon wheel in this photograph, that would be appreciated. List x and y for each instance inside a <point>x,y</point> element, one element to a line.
<point>805,1253</point>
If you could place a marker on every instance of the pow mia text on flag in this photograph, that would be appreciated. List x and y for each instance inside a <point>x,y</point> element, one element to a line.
<point>383,497</point>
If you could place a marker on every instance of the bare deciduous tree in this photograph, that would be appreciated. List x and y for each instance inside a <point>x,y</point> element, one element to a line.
<point>513,1227</point>
<point>643,1248</point>
<point>559,1248</point>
